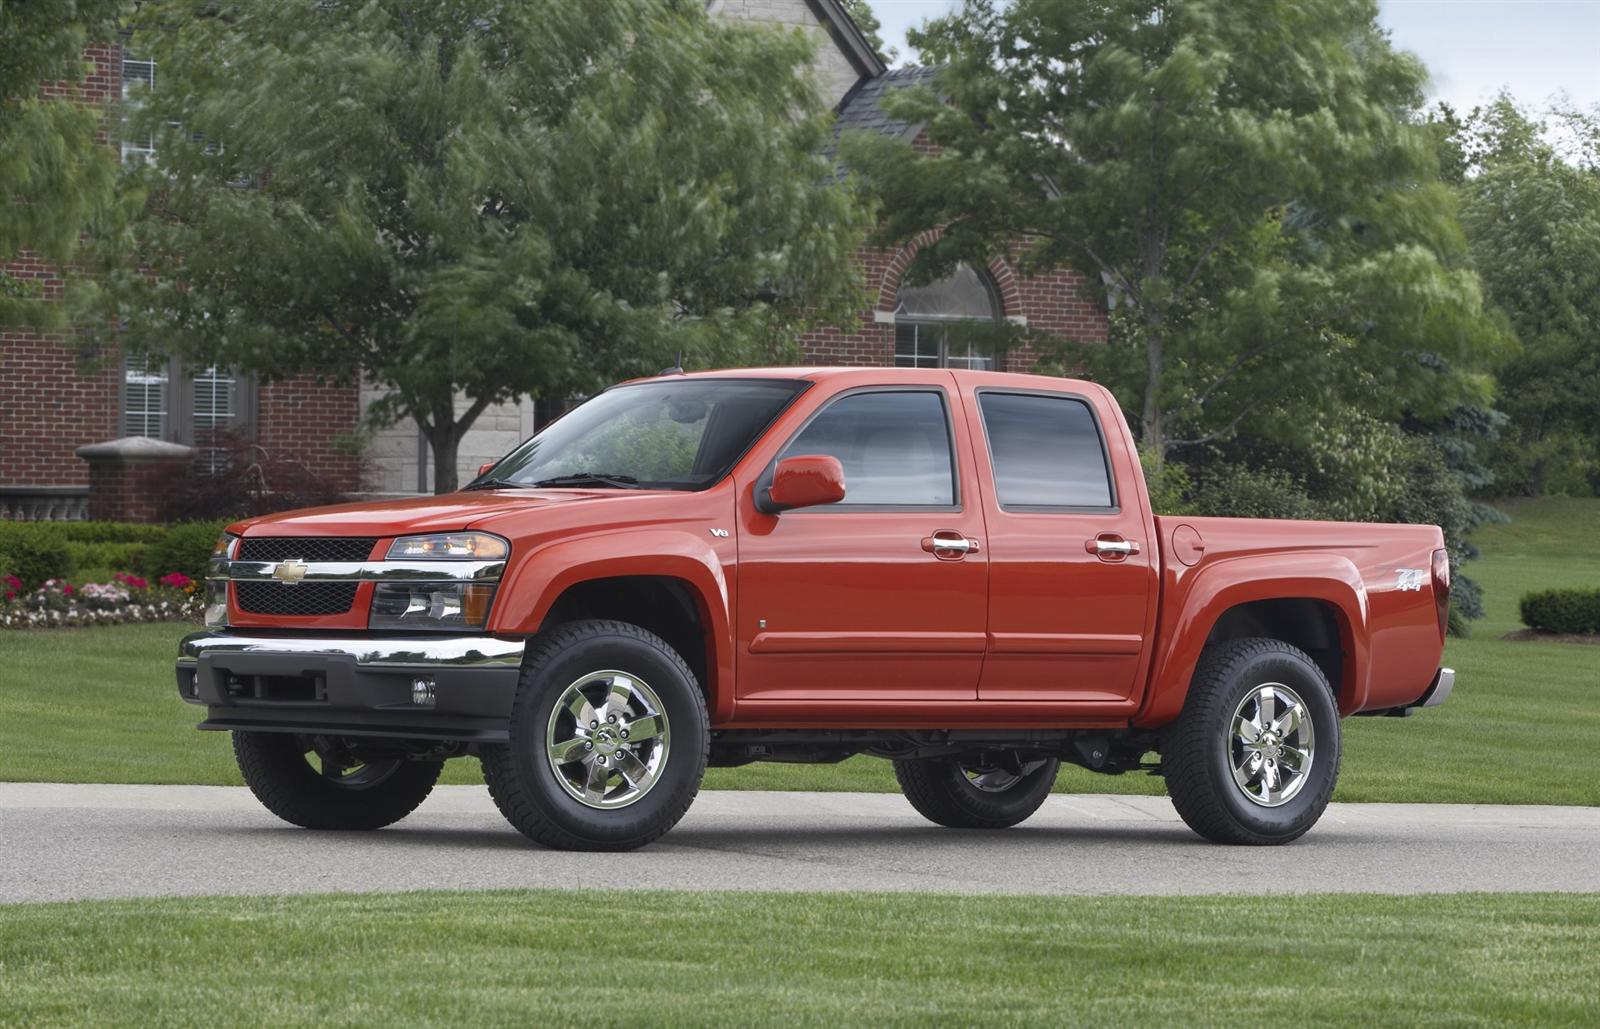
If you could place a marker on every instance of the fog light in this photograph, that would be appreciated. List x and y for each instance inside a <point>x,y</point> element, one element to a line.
<point>422,692</point>
<point>194,685</point>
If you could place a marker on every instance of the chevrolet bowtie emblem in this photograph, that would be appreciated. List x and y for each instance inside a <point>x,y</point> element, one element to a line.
<point>289,571</point>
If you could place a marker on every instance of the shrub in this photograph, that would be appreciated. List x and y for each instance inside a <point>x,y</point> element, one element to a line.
<point>253,481</point>
<point>117,556</point>
<point>186,547</point>
<point>109,532</point>
<point>36,552</point>
<point>1566,611</point>
<point>1234,491</point>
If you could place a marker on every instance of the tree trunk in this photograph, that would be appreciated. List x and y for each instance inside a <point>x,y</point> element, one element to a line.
<point>1152,424</point>
<point>444,439</point>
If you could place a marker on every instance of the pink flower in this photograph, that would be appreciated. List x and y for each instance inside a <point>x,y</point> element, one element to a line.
<point>66,588</point>
<point>131,581</point>
<point>177,580</point>
<point>14,582</point>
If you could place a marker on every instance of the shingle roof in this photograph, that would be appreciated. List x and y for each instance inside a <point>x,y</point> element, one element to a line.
<point>862,107</point>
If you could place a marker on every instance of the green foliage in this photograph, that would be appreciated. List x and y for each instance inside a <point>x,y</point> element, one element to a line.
<point>1533,219</point>
<point>109,532</point>
<point>186,547</point>
<point>54,177</point>
<point>478,197</point>
<point>1235,491</point>
<point>1566,611</point>
<point>88,558</point>
<point>1241,183</point>
<point>860,12</point>
<point>34,552</point>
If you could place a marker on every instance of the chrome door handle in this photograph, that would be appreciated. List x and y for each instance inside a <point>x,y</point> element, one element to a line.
<point>947,544</point>
<point>1111,545</point>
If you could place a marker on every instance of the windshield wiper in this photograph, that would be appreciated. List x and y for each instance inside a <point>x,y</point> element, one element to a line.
<point>588,479</point>
<point>496,484</point>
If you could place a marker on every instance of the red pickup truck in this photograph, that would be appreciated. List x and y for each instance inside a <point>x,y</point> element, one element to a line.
<point>955,570</point>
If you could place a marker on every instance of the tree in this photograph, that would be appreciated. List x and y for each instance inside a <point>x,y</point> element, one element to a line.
<point>860,12</point>
<point>54,177</point>
<point>480,199</point>
<point>1243,184</point>
<point>1532,216</point>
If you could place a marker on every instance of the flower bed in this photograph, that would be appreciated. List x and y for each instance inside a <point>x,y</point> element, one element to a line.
<point>58,604</point>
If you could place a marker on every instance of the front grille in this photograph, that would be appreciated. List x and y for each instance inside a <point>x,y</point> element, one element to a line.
<point>307,548</point>
<point>303,598</point>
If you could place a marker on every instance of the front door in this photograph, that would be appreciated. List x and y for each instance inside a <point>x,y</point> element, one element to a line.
<point>881,597</point>
<point>1071,558</point>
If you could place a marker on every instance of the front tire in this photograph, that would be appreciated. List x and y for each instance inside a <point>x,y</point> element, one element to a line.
<point>347,793</point>
<point>988,792</point>
<point>1254,756</point>
<point>609,739</point>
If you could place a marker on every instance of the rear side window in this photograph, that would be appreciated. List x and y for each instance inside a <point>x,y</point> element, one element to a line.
<point>1046,451</point>
<point>894,446</point>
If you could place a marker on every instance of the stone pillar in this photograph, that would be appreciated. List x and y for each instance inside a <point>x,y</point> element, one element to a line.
<point>131,478</point>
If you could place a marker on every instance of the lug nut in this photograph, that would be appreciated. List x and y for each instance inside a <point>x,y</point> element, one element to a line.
<point>624,734</point>
<point>593,724</point>
<point>612,719</point>
<point>602,759</point>
<point>588,744</point>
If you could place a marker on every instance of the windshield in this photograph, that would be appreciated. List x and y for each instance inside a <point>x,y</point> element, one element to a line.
<point>669,433</point>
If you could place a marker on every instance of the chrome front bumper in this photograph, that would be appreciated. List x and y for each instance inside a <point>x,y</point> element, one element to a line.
<point>409,686</point>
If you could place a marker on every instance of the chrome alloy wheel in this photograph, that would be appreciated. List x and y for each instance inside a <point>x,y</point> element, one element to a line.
<point>1271,745</point>
<point>990,779</point>
<point>607,739</point>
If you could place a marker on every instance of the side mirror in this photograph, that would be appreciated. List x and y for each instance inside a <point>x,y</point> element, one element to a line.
<point>486,466</point>
<point>806,481</point>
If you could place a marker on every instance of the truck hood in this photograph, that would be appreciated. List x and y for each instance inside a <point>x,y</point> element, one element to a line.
<point>451,512</point>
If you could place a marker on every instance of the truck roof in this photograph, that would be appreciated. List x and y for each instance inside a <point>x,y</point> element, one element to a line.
<point>825,373</point>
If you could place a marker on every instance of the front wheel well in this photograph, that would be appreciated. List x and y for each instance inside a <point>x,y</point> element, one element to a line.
<point>1312,625</point>
<point>666,606</point>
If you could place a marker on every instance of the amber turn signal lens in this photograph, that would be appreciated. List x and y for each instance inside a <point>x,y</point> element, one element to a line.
<point>475,604</point>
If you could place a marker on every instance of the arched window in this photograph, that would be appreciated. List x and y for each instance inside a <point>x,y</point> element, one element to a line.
<point>928,319</point>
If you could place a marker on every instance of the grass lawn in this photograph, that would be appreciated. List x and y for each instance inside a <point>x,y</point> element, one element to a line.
<point>740,959</point>
<point>1523,726</point>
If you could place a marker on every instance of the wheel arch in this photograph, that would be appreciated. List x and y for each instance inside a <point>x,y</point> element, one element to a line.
<point>661,581</point>
<point>1315,602</point>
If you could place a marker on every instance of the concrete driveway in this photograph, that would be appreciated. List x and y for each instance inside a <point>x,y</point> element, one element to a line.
<point>60,842</point>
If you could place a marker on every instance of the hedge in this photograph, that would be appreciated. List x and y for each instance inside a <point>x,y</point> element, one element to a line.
<point>36,552</point>
<point>185,548</point>
<point>39,551</point>
<point>1573,612</point>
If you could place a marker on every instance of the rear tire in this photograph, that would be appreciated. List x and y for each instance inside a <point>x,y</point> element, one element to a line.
<point>347,794</point>
<point>1239,768</point>
<point>959,794</point>
<point>609,739</point>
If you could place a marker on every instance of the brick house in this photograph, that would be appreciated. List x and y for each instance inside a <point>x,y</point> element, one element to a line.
<point>133,415</point>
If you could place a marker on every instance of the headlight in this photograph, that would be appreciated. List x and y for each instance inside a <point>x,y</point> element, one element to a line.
<point>447,604</point>
<point>217,581</point>
<point>449,546</point>
<point>431,605</point>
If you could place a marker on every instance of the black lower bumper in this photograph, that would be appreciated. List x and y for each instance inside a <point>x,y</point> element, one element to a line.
<point>426,688</point>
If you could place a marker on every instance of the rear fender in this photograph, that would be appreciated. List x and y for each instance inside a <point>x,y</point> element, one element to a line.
<point>1202,598</point>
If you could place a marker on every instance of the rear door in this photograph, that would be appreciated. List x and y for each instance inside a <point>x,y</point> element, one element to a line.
<point>882,597</point>
<point>1073,567</point>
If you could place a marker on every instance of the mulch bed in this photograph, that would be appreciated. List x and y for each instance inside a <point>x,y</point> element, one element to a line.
<point>1550,637</point>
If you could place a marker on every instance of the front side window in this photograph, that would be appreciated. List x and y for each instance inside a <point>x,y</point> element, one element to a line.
<point>1046,451</point>
<point>669,433</point>
<point>894,446</point>
<point>934,324</point>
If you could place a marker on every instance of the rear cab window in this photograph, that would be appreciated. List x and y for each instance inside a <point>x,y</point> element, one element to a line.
<point>1047,451</point>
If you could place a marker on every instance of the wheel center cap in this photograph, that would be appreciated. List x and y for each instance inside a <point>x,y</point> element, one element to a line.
<point>605,741</point>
